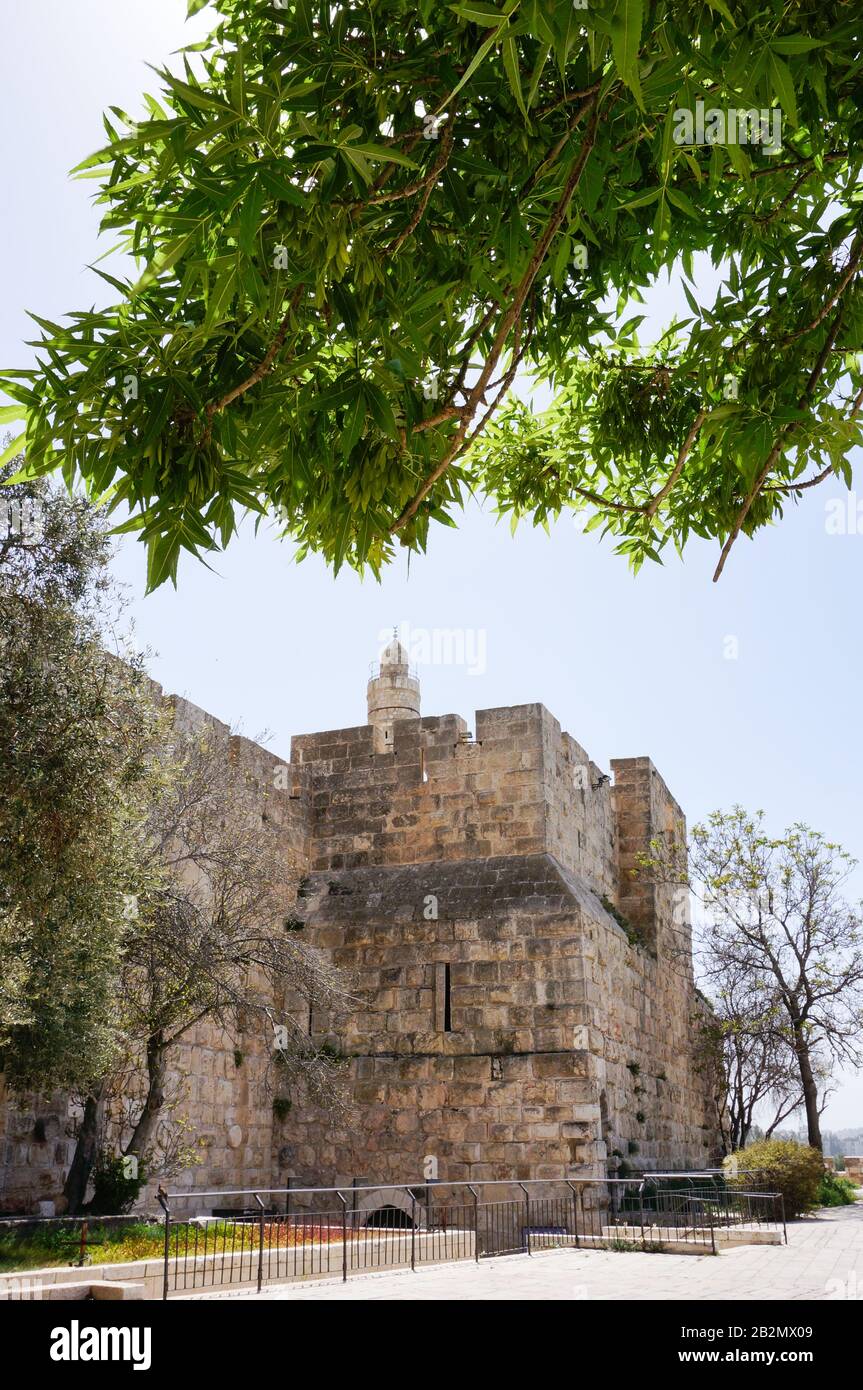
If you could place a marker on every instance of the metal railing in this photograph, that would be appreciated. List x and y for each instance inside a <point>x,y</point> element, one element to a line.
<point>732,1213</point>
<point>286,1234</point>
<point>314,1232</point>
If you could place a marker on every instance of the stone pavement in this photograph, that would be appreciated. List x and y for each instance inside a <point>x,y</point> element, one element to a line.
<point>822,1260</point>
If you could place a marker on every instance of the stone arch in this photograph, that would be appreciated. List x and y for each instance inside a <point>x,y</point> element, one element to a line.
<point>368,1204</point>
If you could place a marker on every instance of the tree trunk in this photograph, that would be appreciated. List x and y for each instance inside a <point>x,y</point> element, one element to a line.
<point>148,1120</point>
<point>810,1089</point>
<point>86,1151</point>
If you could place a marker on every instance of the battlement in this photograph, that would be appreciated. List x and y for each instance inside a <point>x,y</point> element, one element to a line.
<point>412,789</point>
<point>416,788</point>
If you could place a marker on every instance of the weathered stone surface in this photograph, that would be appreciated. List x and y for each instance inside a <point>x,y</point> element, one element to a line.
<point>503,1022</point>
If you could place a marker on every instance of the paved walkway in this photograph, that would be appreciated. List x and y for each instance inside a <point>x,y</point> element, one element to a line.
<point>822,1260</point>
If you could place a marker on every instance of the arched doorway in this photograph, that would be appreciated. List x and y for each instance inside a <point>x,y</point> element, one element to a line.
<point>388,1207</point>
<point>390,1218</point>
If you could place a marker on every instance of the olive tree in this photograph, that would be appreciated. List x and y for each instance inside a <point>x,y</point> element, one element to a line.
<point>74,717</point>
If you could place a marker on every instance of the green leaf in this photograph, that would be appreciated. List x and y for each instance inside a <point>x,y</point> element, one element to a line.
<point>164,260</point>
<point>337,395</point>
<point>539,67</point>
<point>380,409</point>
<point>510,63</point>
<point>194,6</point>
<point>679,200</point>
<point>250,218</point>
<point>479,57</point>
<point>796,43</point>
<point>625,41</point>
<point>738,159</point>
<point>195,96</point>
<point>783,87</point>
<point>662,223</point>
<point>12,412</point>
<point>134,523</point>
<point>381,154</point>
<point>691,301</point>
<point>342,540</point>
<point>643,200</point>
<point>357,161</point>
<point>478,13</point>
<point>355,418</point>
<point>567,24</point>
<point>11,451</point>
<point>281,187</point>
<point>163,553</point>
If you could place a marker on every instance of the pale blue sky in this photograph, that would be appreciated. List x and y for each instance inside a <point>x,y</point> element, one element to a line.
<point>628,665</point>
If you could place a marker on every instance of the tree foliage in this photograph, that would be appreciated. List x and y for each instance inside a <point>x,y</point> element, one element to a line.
<point>780,950</point>
<point>795,1170</point>
<point>73,786</point>
<point>354,226</point>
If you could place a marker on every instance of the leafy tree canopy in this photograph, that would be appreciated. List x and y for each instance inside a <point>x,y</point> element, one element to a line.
<point>355,224</point>
<point>76,727</point>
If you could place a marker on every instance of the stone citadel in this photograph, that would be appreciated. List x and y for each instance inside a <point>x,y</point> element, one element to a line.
<point>522,1000</point>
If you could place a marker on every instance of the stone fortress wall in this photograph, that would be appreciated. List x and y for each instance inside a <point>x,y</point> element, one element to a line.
<point>220,1082</point>
<point>522,1004</point>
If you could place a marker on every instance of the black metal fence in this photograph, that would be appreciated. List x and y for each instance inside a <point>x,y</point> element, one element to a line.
<point>305,1233</point>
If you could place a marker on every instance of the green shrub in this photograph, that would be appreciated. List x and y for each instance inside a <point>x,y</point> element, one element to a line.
<point>795,1170</point>
<point>836,1192</point>
<point>114,1194</point>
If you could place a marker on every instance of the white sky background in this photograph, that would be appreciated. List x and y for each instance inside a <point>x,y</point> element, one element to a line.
<point>628,665</point>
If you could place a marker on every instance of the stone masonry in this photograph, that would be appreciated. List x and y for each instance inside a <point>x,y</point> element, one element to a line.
<point>522,1000</point>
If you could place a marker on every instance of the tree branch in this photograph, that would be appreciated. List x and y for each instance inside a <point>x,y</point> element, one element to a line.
<point>263,367</point>
<point>854,260</point>
<point>654,505</point>
<point>506,325</point>
<point>427,185</point>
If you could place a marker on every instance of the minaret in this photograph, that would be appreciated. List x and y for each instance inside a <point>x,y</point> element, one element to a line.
<point>393,694</point>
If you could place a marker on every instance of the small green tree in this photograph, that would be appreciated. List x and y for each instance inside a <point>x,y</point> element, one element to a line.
<point>739,1047</point>
<point>795,1170</point>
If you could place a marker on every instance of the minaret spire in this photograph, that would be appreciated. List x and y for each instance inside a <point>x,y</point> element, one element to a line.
<point>393,693</point>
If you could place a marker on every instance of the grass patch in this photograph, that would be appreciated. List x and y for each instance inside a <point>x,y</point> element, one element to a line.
<point>30,1248</point>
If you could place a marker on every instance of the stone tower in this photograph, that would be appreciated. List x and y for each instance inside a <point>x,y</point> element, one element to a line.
<point>393,694</point>
<point>520,1005</point>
